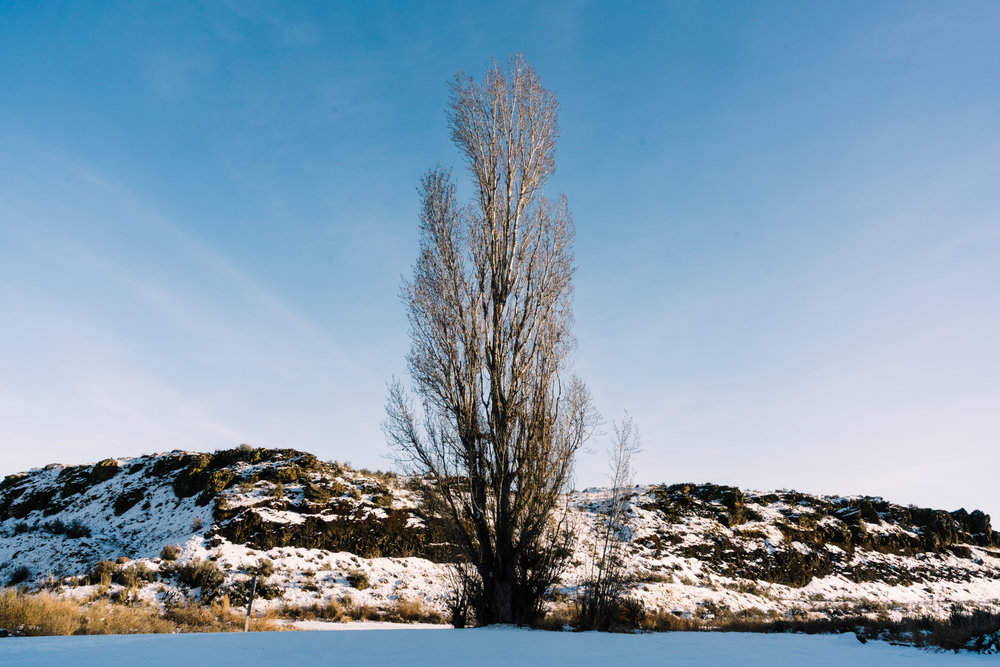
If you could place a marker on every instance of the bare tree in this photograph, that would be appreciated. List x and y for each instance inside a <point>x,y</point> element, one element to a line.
<point>497,422</point>
<point>604,591</point>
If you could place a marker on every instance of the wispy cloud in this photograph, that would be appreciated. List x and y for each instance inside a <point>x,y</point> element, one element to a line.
<point>159,348</point>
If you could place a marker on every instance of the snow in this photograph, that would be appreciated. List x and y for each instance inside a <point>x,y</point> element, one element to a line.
<point>483,646</point>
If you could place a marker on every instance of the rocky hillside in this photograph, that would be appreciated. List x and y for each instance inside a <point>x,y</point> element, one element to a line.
<point>173,527</point>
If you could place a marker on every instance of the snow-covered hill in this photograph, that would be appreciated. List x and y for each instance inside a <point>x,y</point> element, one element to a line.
<point>317,531</point>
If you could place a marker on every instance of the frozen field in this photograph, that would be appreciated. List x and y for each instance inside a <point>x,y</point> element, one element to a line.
<point>486,646</point>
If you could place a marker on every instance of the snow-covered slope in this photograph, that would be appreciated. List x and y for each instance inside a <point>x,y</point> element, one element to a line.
<point>317,531</point>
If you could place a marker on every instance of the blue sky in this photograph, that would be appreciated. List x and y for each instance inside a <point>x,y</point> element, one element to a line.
<point>788,228</point>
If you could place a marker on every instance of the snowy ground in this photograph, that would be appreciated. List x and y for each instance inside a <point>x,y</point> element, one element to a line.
<point>485,646</point>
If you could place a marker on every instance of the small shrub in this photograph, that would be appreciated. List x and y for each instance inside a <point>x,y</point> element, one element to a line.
<point>238,592</point>
<point>76,529</point>
<point>263,568</point>
<point>20,575</point>
<point>170,552</point>
<point>358,579</point>
<point>203,574</point>
<point>196,524</point>
<point>56,527</point>
<point>136,575</point>
<point>102,573</point>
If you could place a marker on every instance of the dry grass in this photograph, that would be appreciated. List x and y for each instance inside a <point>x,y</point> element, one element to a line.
<point>664,621</point>
<point>40,614</point>
<point>411,611</point>
<point>216,617</point>
<point>33,615</point>
<point>975,631</point>
<point>625,618</point>
<point>561,617</point>
<point>108,619</point>
<point>43,614</point>
<point>345,610</point>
